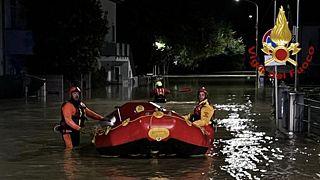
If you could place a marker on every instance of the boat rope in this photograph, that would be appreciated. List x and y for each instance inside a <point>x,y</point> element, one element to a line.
<point>100,131</point>
<point>119,114</point>
<point>150,122</point>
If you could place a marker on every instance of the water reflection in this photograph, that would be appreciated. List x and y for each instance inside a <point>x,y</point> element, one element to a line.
<point>247,145</point>
<point>244,151</point>
<point>254,154</point>
<point>69,165</point>
<point>197,168</point>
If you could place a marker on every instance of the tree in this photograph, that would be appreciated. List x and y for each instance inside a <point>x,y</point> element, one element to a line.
<point>67,35</point>
<point>201,41</point>
<point>207,41</point>
<point>186,26</point>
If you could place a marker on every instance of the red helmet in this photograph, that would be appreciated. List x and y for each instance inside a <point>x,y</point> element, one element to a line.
<point>74,89</point>
<point>203,89</point>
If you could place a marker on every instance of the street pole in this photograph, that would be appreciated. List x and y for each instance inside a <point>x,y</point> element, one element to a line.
<point>274,12</point>
<point>3,62</point>
<point>297,38</point>
<point>257,24</point>
<point>276,74</point>
<point>257,34</point>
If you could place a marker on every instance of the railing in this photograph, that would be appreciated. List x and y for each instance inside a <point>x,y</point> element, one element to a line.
<point>115,49</point>
<point>311,115</point>
<point>226,74</point>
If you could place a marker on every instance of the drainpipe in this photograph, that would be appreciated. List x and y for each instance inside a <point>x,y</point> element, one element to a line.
<point>3,37</point>
<point>297,39</point>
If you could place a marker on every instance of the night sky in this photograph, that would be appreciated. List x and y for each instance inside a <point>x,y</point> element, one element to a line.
<point>138,20</point>
<point>169,12</point>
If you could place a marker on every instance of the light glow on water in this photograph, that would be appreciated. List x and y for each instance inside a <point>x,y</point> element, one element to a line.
<point>245,151</point>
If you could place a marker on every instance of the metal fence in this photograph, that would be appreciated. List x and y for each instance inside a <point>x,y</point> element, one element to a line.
<point>310,116</point>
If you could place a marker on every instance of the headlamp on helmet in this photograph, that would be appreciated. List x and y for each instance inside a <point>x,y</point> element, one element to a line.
<point>158,83</point>
<point>74,89</point>
<point>203,89</point>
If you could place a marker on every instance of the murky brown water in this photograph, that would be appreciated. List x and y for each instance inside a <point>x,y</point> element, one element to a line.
<point>247,145</point>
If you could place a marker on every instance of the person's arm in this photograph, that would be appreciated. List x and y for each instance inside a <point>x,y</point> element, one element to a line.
<point>187,117</point>
<point>152,93</point>
<point>166,91</point>
<point>206,115</point>
<point>68,110</point>
<point>93,115</point>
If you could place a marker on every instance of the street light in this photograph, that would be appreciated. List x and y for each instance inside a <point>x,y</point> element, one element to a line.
<point>256,27</point>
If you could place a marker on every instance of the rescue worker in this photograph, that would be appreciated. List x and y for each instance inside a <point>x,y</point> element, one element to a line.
<point>202,116</point>
<point>203,112</point>
<point>159,93</point>
<point>74,113</point>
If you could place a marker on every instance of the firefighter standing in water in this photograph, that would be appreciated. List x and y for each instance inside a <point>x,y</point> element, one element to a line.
<point>159,93</point>
<point>73,114</point>
<point>203,112</point>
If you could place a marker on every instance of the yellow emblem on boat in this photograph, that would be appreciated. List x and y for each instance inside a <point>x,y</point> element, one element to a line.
<point>158,114</point>
<point>139,108</point>
<point>158,134</point>
<point>125,122</point>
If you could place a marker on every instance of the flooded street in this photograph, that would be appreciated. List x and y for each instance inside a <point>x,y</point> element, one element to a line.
<point>247,145</point>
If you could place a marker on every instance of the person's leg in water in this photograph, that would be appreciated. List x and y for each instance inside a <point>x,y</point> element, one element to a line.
<point>71,140</point>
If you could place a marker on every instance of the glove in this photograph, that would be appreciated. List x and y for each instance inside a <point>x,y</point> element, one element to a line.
<point>200,123</point>
<point>186,117</point>
<point>107,121</point>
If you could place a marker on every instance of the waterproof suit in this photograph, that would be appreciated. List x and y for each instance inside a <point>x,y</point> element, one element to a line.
<point>202,114</point>
<point>73,116</point>
<point>159,94</point>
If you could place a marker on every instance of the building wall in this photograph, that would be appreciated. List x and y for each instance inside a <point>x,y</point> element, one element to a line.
<point>114,56</point>
<point>2,63</point>
<point>310,35</point>
<point>16,41</point>
<point>110,8</point>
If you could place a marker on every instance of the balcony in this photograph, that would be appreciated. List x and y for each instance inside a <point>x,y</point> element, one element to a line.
<point>115,49</point>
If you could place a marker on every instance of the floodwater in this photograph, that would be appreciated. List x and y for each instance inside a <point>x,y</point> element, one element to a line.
<point>247,145</point>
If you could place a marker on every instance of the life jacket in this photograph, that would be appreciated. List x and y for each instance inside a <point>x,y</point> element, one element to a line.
<point>197,111</point>
<point>78,118</point>
<point>160,95</point>
<point>160,92</point>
